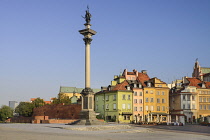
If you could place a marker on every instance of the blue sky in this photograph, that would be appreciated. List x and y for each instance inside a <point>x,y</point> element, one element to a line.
<point>41,48</point>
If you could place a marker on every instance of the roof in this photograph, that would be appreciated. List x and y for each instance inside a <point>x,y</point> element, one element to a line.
<point>207,84</point>
<point>194,82</point>
<point>142,77</point>
<point>197,82</point>
<point>121,86</point>
<point>205,70</point>
<point>74,90</point>
<point>48,102</point>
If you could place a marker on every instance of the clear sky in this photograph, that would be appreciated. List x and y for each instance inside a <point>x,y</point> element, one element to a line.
<point>41,48</point>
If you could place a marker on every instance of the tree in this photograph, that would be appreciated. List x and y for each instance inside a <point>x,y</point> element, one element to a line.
<point>25,109</point>
<point>5,112</point>
<point>38,102</point>
<point>62,99</point>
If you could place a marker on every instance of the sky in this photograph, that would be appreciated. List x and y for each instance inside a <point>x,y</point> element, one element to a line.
<point>41,48</point>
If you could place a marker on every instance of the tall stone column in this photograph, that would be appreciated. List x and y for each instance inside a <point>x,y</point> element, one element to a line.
<point>87,115</point>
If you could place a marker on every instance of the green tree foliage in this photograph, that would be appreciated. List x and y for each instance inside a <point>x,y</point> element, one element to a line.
<point>62,99</point>
<point>5,112</point>
<point>38,102</point>
<point>25,109</point>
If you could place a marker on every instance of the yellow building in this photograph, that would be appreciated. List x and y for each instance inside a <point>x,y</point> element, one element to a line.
<point>156,101</point>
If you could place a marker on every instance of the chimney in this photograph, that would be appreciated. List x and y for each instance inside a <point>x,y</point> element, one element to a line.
<point>144,71</point>
<point>136,72</point>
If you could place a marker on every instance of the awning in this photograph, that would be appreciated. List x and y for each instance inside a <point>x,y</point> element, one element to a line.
<point>158,113</point>
<point>127,113</point>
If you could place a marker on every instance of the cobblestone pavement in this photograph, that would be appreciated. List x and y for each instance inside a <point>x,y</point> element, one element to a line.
<point>105,132</point>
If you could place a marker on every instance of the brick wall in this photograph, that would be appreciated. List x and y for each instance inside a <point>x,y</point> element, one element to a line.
<point>58,111</point>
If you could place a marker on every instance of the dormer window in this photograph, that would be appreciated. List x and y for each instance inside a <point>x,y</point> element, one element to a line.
<point>134,85</point>
<point>140,86</point>
<point>149,84</point>
<point>128,88</point>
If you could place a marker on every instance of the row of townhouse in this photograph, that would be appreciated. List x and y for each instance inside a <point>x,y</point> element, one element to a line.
<point>190,97</point>
<point>133,96</point>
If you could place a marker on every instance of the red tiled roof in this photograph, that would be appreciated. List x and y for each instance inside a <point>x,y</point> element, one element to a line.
<point>207,84</point>
<point>32,99</point>
<point>142,77</point>
<point>194,82</point>
<point>121,86</point>
<point>47,102</point>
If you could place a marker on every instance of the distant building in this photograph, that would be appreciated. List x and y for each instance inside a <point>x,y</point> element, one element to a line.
<point>46,102</point>
<point>203,73</point>
<point>13,104</point>
<point>73,91</point>
<point>190,101</point>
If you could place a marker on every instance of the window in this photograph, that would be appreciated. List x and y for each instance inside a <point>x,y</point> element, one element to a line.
<point>135,108</point>
<point>183,106</point>
<point>123,96</point>
<point>193,90</point>
<point>151,100</point>
<point>149,84</point>
<point>158,100</point>
<point>134,85</point>
<point>188,106</point>
<point>204,99</point>
<point>163,108</point>
<point>114,107</point>
<point>152,108</point>
<point>151,91</point>
<point>142,109</point>
<point>200,99</point>
<point>123,106</point>
<point>163,100</point>
<point>201,107</point>
<point>158,92</point>
<point>140,93</point>
<point>107,106</point>
<point>140,101</point>
<point>107,97</point>
<point>140,86</point>
<point>129,106</point>
<point>209,107</point>
<point>114,97</point>
<point>188,97</point>
<point>135,100</point>
<point>96,107</point>
<point>147,100</point>
<point>97,98</point>
<point>146,91</point>
<point>158,108</point>
<point>163,93</point>
<point>146,107</point>
<point>128,88</point>
<point>184,97</point>
<point>159,85</point>
<point>129,97</point>
<point>204,107</point>
<point>135,93</point>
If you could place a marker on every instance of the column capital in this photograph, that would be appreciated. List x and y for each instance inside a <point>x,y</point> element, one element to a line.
<point>87,40</point>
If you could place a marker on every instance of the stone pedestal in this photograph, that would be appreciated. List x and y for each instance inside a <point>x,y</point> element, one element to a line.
<point>88,115</point>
